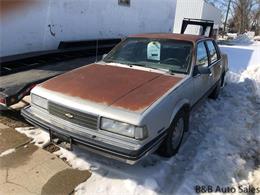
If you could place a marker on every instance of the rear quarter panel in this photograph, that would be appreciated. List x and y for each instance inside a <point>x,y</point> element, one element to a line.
<point>224,62</point>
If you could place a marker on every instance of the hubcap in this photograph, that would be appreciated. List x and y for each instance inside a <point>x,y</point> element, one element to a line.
<point>177,133</point>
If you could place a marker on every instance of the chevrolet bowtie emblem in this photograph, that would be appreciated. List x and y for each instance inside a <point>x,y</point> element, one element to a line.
<point>69,115</point>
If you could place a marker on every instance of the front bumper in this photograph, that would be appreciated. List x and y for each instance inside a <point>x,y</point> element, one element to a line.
<point>91,144</point>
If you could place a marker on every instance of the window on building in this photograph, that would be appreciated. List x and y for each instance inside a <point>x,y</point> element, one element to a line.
<point>124,2</point>
<point>202,56</point>
<point>212,52</point>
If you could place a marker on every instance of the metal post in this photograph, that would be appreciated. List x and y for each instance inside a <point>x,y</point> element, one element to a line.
<point>228,8</point>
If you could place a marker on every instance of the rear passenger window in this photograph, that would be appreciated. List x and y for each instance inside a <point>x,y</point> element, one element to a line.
<point>212,51</point>
<point>202,56</point>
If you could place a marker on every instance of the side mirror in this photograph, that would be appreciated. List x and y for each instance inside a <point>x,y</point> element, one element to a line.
<point>103,56</point>
<point>201,69</point>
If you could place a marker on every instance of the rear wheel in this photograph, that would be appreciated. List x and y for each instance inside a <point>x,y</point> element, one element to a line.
<point>173,140</point>
<point>220,84</point>
<point>223,82</point>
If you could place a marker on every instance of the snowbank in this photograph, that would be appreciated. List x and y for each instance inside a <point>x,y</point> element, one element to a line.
<point>253,71</point>
<point>257,38</point>
<point>232,35</point>
<point>243,39</point>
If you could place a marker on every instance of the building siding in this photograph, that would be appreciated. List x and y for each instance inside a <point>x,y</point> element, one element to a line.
<point>41,25</point>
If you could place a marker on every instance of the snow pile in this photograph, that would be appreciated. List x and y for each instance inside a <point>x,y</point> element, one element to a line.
<point>222,147</point>
<point>253,71</point>
<point>73,160</point>
<point>232,35</point>
<point>9,151</point>
<point>243,39</point>
<point>247,66</point>
<point>257,38</point>
<point>40,137</point>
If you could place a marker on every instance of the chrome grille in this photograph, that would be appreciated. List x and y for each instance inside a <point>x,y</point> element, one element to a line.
<point>73,116</point>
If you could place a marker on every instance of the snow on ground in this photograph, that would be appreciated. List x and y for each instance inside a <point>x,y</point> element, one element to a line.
<point>39,137</point>
<point>243,39</point>
<point>9,151</point>
<point>222,147</point>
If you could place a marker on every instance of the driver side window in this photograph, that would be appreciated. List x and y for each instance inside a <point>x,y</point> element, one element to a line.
<point>202,56</point>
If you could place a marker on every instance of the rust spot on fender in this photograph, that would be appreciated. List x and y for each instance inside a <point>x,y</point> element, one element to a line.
<point>113,86</point>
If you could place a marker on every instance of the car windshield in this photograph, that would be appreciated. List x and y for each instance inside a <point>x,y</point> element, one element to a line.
<point>164,54</point>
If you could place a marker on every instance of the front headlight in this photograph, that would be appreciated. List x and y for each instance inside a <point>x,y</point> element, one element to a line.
<point>124,128</point>
<point>39,101</point>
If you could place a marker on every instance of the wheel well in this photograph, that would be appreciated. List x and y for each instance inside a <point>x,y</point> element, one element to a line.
<point>186,109</point>
<point>222,78</point>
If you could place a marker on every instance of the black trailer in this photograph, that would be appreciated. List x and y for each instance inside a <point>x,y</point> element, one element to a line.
<point>20,73</point>
<point>206,25</point>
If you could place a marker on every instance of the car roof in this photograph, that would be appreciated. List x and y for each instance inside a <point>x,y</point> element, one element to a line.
<point>173,36</point>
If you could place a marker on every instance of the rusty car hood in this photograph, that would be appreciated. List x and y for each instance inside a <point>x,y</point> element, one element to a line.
<point>125,88</point>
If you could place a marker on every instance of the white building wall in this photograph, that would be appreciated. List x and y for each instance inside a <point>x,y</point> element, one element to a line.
<point>43,24</point>
<point>23,30</point>
<point>197,9</point>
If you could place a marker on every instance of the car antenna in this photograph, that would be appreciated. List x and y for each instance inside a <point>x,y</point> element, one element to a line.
<point>96,50</point>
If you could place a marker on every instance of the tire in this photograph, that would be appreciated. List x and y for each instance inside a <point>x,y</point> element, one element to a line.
<point>215,93</point>
<point>171,145</point>
<point>223,80</point>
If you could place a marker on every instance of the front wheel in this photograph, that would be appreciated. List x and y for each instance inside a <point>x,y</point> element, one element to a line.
<point>173,140</point>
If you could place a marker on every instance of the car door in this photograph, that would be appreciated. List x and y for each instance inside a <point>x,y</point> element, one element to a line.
<point>214,62</point>
<point>201,81</point>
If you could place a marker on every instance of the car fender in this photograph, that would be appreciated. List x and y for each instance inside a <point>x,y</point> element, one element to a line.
<point>180,104</point>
